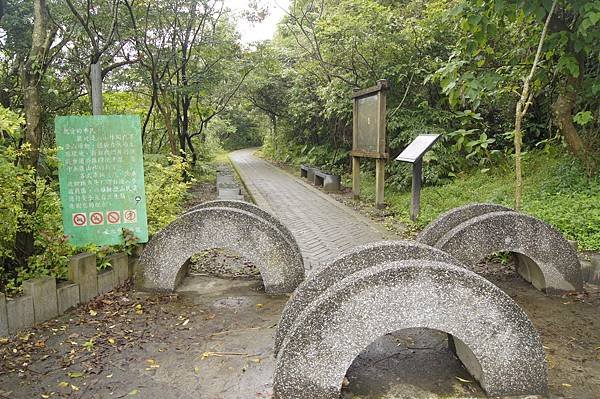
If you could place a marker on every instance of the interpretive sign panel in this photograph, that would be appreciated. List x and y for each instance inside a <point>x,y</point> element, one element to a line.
<point>418,147</point>
<point>367,135</point>
<point>414,155</point>
<point>369,107</point>
<point>101,173</point>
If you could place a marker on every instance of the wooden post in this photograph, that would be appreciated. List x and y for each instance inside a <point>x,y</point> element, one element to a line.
<point>96,81</point>
<point>356,177</point>
<point>379,182</point>
<point>416,189</point>
<point>355,160</point>
<point>381,144</point>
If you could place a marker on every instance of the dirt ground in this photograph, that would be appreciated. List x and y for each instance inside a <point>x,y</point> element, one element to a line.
<point>213,339</point>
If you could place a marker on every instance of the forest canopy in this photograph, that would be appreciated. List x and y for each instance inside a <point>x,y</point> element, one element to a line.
<point>456,67</point>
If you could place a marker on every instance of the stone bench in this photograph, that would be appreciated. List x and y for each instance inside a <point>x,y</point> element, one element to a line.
<point>310,174</point>
<point>490,334</point>
<point>164,261</point>
<point>543,256</point>
<point>329,182</point>
<point>304,171</point>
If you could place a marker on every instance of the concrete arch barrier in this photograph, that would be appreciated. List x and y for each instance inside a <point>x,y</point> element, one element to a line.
<point>449,220</point>
<point>164,260</point>
<point>251,208</point>
<point>351,262</point>
<point>498,343</point>
<point>546,258</point>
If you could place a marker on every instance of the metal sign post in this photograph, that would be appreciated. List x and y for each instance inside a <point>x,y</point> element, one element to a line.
<point>369,139</point>
<point>414,154</point>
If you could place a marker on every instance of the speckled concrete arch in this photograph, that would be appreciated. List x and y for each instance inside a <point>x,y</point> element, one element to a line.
<point>350,315</point>
<point>164,259</point>
<point>248,207</point>
<point>494,232</point>
<point>357,259</point>
<point>449,220</point>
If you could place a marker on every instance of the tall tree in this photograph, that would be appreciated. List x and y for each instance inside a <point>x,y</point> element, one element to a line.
<point>32,74</point>
<point>100,25</point>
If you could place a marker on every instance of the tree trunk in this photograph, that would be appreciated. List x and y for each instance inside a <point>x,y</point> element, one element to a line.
<point>274,132</point>
<point>563,114</point>
<point>522,107</point>
<point>165,109</point>
<point>96,85</point>
<point>31,76</point>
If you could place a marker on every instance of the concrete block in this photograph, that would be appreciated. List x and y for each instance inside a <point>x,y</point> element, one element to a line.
<point>508,231</point>
<point>134,259</point>
<point>594,270</point>
<point>131,266</point>
<point>106,281</point>
<point>492,334</point>
<point>332,184</point>
<point>224,180</point>
<point>3,316</point>
<point>67,294</point>
<point>82,270</point>
<point>43,292</point>
<point>311,175</point>
<point>530,271</point>
<point>574,244</point>
<point>466,356</point>
<point>304,171</point>
<point>233,191</point>
<point>20,313</point>
<point>251,208</point>
<point>451,219</point>
<point>586,270</point>
<point>120,266</point>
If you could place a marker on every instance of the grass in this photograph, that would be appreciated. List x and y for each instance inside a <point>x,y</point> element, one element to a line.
<point>556,190</point>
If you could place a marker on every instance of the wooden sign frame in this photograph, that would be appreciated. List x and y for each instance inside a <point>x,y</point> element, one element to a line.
<point>380,155</point>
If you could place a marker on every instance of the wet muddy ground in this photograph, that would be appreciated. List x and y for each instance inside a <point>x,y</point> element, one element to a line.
<point>213,339</point>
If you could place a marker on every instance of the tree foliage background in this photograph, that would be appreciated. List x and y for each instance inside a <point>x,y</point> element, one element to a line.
<point>456,67</point>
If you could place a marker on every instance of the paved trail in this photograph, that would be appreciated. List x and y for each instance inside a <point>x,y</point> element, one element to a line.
<point>323,227</point>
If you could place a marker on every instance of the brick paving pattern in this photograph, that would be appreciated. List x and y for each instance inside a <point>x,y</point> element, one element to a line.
<point>323,227</point>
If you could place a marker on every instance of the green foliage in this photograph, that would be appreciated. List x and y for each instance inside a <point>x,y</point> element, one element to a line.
<point>557,191</point>
<point>51,248</point>
<point>166,189</point>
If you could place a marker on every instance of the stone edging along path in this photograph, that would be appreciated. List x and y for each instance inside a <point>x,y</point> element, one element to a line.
<point>44,298</point>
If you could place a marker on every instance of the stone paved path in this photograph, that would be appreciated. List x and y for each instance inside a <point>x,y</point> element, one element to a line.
<point>323,227</point>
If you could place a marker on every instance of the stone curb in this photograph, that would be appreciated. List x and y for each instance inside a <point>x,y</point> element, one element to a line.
<point>44,299</point>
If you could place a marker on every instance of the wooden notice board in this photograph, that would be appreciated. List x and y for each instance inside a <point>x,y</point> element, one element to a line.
<point>369,135</point>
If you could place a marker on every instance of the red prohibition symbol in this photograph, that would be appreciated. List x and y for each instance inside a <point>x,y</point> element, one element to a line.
<point>79,219</point>
<point>113,217</point>
<point>130,216</point>
<point>96,218</point>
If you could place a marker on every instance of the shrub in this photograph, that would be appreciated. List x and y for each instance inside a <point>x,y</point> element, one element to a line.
<point>166,189</point>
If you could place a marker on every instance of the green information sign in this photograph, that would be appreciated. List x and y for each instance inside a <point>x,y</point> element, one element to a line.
<point>101,174</point>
